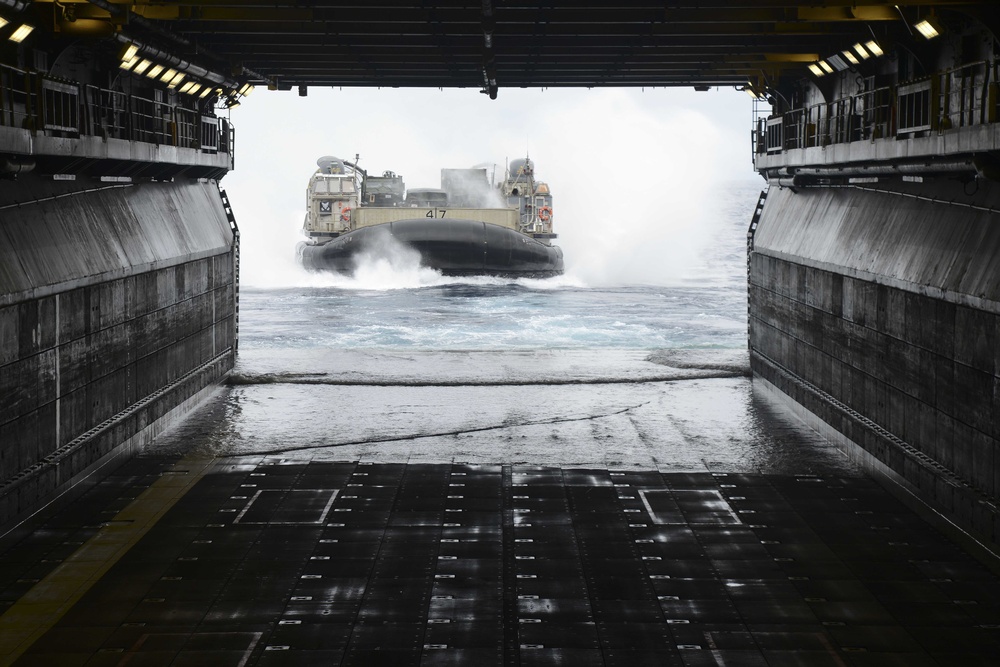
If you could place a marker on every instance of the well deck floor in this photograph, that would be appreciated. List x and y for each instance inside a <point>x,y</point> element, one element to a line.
<point>262,561</point>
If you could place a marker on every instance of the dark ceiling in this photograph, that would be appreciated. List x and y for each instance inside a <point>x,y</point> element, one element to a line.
<point>492,44</point>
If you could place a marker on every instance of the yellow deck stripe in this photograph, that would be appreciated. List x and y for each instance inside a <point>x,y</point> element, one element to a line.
<point>40,608</point>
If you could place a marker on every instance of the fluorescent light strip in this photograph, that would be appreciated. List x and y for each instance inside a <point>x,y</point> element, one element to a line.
<point>926,29</point>
<point>21,33</point>
<point>838,62</point>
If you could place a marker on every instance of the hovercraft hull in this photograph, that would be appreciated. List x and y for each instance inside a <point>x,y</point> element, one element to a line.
<point>454,247</point>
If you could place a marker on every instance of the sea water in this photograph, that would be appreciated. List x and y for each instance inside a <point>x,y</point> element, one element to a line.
<point>695,301</point>
<point>399,363</point>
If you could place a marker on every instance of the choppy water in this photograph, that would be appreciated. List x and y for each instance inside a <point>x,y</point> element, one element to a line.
<point>489,314</point>
<point>401,364</point>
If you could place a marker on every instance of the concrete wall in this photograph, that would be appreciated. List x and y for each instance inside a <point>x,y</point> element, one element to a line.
<point>116,307</point>
<point>880,314</point>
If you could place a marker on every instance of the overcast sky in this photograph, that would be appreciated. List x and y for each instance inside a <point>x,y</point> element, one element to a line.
<point>633,172</point>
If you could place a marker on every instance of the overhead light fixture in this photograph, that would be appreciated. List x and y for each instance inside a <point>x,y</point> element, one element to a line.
<point>838,62</point>
<point>928,27</point>
<point>195,87</point>
<point>826,66</point>
<point>875,49</point>
<point>129,52</point>
<point>176,81</point>
<point>205,92</point>
<point>3,21</point>
<point>816,69</point>
<point>186,87</point>
<point>128,64</point>
<point>246,89</point>
<point>850,57</point>
<point>231,101</point>
<point>861,51</point>
<point>142,66</point>
<point>168,75</point>
<point>21,33</point>
<point>154,71</point>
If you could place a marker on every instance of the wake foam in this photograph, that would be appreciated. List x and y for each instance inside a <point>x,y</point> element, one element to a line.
<point>387,264</point>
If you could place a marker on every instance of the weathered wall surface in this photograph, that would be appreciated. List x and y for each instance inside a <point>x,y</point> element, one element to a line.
<point>880,314</point>
<point>116,306</point>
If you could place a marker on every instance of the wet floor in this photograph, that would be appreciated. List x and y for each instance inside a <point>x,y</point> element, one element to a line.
<point>667,411</point>
<point>646,520</point>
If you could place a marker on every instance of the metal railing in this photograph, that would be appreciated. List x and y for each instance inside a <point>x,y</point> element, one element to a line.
<point>18,100</point>
<point>960,97</point>
<point>43,104</point>
<point>967,95</point>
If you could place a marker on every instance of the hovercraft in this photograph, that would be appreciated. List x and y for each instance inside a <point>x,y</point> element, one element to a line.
<point>466,227</point>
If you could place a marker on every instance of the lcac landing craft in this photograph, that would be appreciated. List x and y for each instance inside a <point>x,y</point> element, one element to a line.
<point>467,227</point>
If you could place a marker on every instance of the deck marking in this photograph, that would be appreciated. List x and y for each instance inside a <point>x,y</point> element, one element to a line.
<point>322,518</point>
<point>38,610</point>
<point>716,502</point>
<point>247,507</point>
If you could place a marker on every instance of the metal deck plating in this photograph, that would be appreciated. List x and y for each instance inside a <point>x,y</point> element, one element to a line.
<point>265,561</point>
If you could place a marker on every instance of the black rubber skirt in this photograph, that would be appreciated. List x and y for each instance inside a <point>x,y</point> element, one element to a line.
<point>454,247</point>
